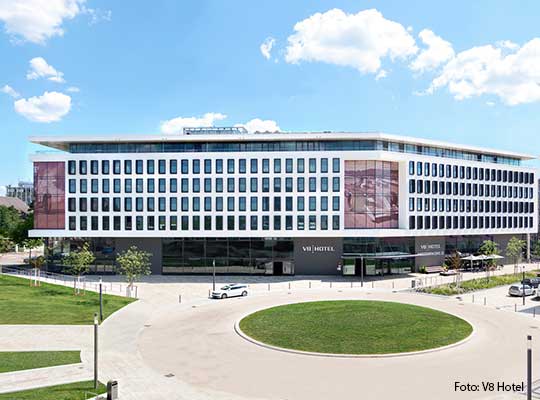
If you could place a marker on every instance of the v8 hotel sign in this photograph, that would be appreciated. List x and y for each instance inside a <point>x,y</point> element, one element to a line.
<point>318,249</point>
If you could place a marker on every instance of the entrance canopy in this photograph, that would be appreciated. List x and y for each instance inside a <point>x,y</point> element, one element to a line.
<point>383,255</point>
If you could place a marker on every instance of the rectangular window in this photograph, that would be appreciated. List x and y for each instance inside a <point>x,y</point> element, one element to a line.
<point>230,166</point>
<point>335,184</point>
<point>150,168</point>
<point>265,165</point>
<point>196,166</point>
<point>277,165</point>
<point>150,185</point>
<point>207,166</point>
<point>335,165</point>
<point>300,165</point>
<point>335,203</point>
<point>173,166</point>
<point>289,165</point>
<point>82,167</point>
<point>242,166</point>
<point>219,166</point>
<point>105,167</point>
<point>324,165</point>
<point>253,166</point>
<point>116,167</point>
<point>253,223</point>
<point>184,166</point>
<point>312,165</point>
<point>94,223</point>
<point>94,167</point>
<point>173,185</point>
<point>139,167</point>
<point>72,169</point>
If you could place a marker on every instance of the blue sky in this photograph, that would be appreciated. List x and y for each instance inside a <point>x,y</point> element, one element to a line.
<point>129,67</point>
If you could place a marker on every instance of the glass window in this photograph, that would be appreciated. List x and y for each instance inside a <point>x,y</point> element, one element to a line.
<point>230,166</point>
<point>173,166</point>
<point>335,165</point>
<point>324,184</point>
<point>219,166</point>
<point>277,165</point>
<point>242,166</point>
<point>300,165</point>
<point>150,169</point>
<point>196,167</point>
<point>150,185</point>
<point>265,165</point>
<point>72,169</point>
<point>300,184</point>
<point>335,222</point>
<point>105,167</point>
<point>335,203</point>
<point>411,167</point>
<point>324,165</point>
<point>289,165</point>
<point>277,185</point>
<point>253,165</point>
<point>184,166</point>
<point>94,167</point>
<point>312,203</point>
<point>312,184</point>
<point>83,186</point>
<point>162,167</point>
<point>312,165</point>
<point>207,166</point>
<point>82,167</point>
<point>116,167</point>
<point>324,203</point>
<point>335,184</point>
<point>127,186</point>
<point>139,166</point>
<point>173,183</point>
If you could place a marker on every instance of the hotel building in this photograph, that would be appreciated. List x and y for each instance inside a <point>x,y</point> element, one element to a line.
<point>280,203</point>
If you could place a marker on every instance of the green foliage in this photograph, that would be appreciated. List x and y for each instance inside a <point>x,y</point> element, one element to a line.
<point>535,251</point>
<point>20,233</point>
<point>79,261</point>
<point>37,262</point>
<point>423,269</point>
<point>489,248</point>
<point>514,249</point>
<point>9,220</point>
<point>134,263</point>
<point>474,285</point>
<point>454,261</point>
<point>5,244</point>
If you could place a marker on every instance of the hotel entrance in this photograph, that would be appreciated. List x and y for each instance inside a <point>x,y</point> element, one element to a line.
<point>378,264</point>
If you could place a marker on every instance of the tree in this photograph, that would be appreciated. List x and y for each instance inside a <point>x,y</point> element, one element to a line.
<point>37,263</point>
<point>535,251</point>
<point>489,248</point>
<point>134,263</point>
<point>19,234</point>
<point>5,244</point>
<point>514,250</point>
<point>31,243</point>
<point>79,262</point>
<point>454,262</point>
<point>9,220</point>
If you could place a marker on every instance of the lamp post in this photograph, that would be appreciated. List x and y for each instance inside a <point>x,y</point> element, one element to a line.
<point>523,283</point>
<point>529,367</point>
<point>96,324</point>
<point>100,299</point>
<point>214,274</point>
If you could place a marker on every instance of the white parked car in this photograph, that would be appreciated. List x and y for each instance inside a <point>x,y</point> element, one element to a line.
<point>232,290</point>
<point>517,290</point>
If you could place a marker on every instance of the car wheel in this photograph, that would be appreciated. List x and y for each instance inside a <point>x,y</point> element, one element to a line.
<point>223,296</point>
<point>244,293</point>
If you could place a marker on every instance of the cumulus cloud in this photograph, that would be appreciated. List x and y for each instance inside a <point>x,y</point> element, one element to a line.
<point>73,89</point>
<point>266,47</point>
<point>10,91</point>
<point>511,73</point>
<point>49,107</point>
<point>177,124</point>
<point>37,20</point>
<point>39,68</point>
<point>438,51</point>
<point>359,40</point>
<point>259,125</point>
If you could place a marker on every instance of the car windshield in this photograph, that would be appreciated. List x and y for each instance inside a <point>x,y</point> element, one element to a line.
<point>226,287</point>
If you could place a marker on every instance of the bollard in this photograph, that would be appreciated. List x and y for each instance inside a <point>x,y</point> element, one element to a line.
<point>310,284</point>
<point>392,284</point>
<point>373,284</point>
<point>534,312</point>
<point>473,298</point>
<point>136,292</point>
<point>484,301</point>
<point>351,285</point>
<point>330,285</point>
<point>515,307</point>
<point>179,298</point>
<point>289,285</point>
<point>268,287</point>
<point>208,293</point>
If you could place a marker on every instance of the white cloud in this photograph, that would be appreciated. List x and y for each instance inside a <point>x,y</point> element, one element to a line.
<point>49,107</point>
<point>176,125</point>
<point>259,125</point>
<point>266,47</point>
<point>381,74</point>
<point>37,20</point>
<point>10,91</point>
<point>490,103</point>
<point>39,68</point>
<point>359,40</point>
<point>513,76</point>
<point>437,52</point>
<point>73,89</point>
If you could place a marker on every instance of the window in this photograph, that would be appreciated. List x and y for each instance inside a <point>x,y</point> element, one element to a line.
<point>289,166</point>
<point>127,204</point>
<point>312,165</point>
<point>184,166</point>
<point>150,185</point>
<point>324,184</point>
<point>335,165</point>
<point>300,184</point>
<point>196,166</point>
<point>300,222</point>
<point>149,166</point>
<point>300,165</point>
<point>150,221</point>
<point>82,167</point>
<point>253,223</point>
<point>105,167</point>
<point>253,166</point>
<point>411,167</point>
<point>150,204</point>
<point>312,222</point>
<point>72,169</point>
<point>72,224</point>
<point>335,203</point>
<point>173,166</point>
<point>116,186</point>
<point>83,186</point>
<point>162,169</point>
<point>312,184</point>
<point>173,185</point>
<point>312,203</point>
<point>230,166</point>
<point>277,185</point>
<point>300,204</point>
<point>116,223</point>
<point>324,222</point>
<point>82,204</point>
<point>242,166</point>
<point>324,165</point>
<point>105,205</point>
<point>207,166</point>
<point>207,185</point>
<point>253,185</point>
<point>83,223</point>
<point>161,204</point>
<point>94,185</point>
<point>116,167</point>
<point>219,166</point>
<point>94,167</point>
<point>139,167</point>
<point>116,204</point>
<point>105,223</point>
<point>335,184</point>
<point>161,222</point>
<point>277,165</point>
<point>139,223</point>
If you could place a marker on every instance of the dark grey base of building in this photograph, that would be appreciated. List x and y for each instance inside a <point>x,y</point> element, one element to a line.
<point>284,256</point>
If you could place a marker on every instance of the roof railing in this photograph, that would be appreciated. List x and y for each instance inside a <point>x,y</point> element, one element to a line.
<point>213,130</point>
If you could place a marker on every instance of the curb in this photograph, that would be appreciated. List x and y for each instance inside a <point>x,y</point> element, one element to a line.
<point>248,338</point>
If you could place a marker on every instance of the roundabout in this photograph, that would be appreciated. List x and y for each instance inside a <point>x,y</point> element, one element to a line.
<point>353,328</point>
<point>192,351</point>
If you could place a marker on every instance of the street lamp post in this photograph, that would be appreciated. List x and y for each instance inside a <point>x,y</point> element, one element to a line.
<point>100,299</point>
<point>362,272</point>
<point>214,274</point>
<point>96,324</point>
<point>529,367</point>
<point>523,284</point>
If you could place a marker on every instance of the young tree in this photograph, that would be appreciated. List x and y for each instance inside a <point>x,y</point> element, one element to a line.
<point>454,262</point>
<point>514,250</point>
<point>134,263</point>
<point>37,263</point>
<point>489,248</point>
<point>31,243</point>
<point>79,262</point>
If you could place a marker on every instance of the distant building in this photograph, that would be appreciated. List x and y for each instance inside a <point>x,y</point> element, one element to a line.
<point>24,191</point>
<point>14,202</point>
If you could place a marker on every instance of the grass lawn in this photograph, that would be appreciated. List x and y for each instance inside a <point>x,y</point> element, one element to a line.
<point>19,360</point>
<point>71,391</point>
<point>51,304</point>
<point>355,327</point>
<point>477,284</point>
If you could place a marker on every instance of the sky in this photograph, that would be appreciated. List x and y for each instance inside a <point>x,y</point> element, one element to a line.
<point>453,71</point>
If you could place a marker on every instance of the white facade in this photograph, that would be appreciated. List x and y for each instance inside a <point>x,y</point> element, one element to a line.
<point>295,221</point>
